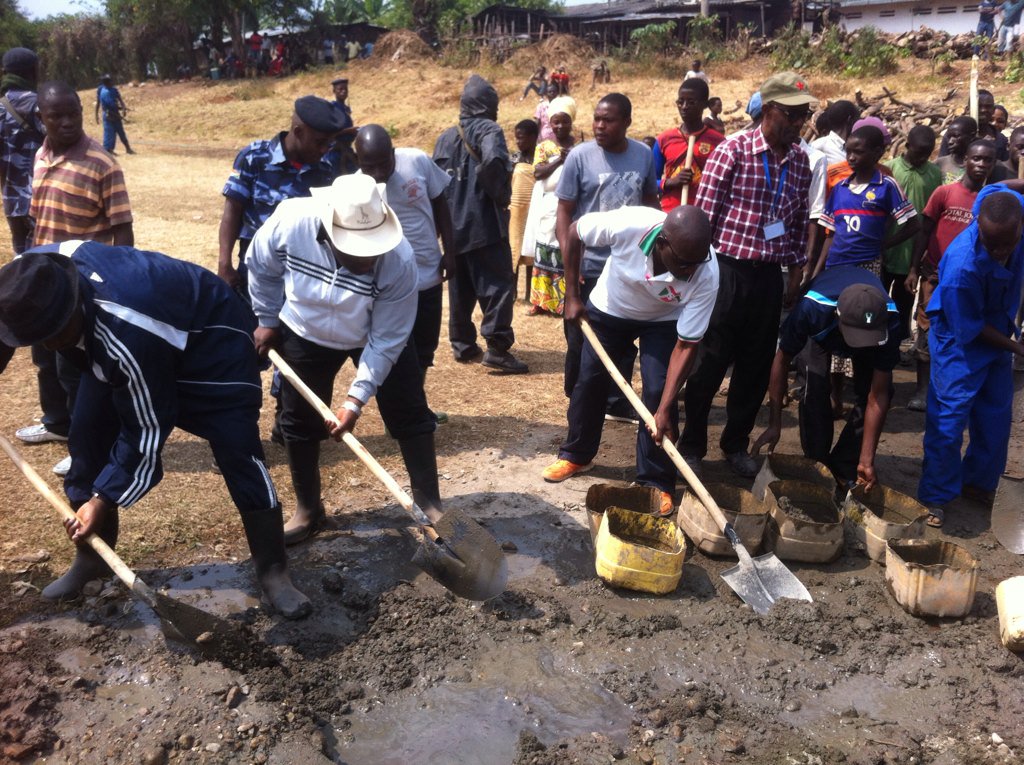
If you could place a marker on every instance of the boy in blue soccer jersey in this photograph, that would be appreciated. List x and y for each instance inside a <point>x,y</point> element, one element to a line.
<point>859,209</point>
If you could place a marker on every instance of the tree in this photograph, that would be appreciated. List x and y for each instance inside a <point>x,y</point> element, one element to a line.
<point>15,28</point>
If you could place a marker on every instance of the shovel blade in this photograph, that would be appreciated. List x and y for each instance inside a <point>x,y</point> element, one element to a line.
<point>1008,514</point>
<point>466,559</point>
<point>763,580</point>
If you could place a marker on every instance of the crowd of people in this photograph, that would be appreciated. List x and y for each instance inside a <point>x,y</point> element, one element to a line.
<point>700,254</point>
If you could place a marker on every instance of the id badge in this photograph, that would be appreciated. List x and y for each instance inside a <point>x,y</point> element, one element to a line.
<point>774,230</point>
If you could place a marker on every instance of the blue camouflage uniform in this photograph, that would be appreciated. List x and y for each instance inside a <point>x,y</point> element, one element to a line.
<point>262,177</point>
<point>971,381</point>
<point>19,141</point>
<point>165,344</point>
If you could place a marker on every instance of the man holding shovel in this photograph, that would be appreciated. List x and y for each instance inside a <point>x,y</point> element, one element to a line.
<point>148,364</point>
<point>658,286</point>
<point>332,278</point>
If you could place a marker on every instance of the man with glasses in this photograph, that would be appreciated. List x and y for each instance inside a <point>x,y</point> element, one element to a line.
<point>754,191</point>
<point>657,287</point>
<point>846,312</point>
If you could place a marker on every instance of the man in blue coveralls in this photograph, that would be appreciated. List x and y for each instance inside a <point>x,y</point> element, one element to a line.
<point>845,311</point>
<point>972,314</point>
<point>108,98</point>
<point>161,344</point>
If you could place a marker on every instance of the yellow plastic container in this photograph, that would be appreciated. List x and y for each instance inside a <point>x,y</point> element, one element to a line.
<point>747,515</point>
<point>790,467</point>
<point>638,551</point>
<point>601,496</point>
<point>1010,601</point>
<point>876,516</point>
<point>806,527</point>
<point>929,577</point>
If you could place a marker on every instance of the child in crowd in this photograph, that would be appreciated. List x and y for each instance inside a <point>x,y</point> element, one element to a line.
<point>918,178</point>
<point>1016,148</point>
<point>714,120</point>
<point>526,132</point>
<point>959,135</point>
<point>948,212</point>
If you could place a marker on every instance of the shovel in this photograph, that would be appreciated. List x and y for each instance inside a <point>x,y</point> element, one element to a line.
<point>455,550</point>
<point>1008,507</point>
<point>214,637</point>
<point>758,581</point>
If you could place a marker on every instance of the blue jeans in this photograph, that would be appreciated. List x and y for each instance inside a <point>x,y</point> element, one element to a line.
<point>112,130</point>
<point>587,403</point>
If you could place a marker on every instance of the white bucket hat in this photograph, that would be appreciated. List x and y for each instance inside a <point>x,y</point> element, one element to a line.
<point>357,218</point>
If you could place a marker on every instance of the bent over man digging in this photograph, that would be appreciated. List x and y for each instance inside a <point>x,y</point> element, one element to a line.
<point>331,278</point>
<point>149,364</point>
<point>658,286</point>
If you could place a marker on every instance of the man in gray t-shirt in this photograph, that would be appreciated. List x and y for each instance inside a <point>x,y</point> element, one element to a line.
<point>610,172</point>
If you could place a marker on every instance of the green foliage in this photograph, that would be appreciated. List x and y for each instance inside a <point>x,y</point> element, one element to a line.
<point>791,49</point>
<point>704,35</point>
<point>78,49</point>
<point>653,38</point>
<point>865,56</point>
<point>869,56</point>
<point>15,28</point>
<point>1015,67</point>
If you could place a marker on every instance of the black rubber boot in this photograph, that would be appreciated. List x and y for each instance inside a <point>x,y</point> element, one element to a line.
<point>264,531</point>
<point>421,462</point>
<point>88,565</point>
<point>304,463</point>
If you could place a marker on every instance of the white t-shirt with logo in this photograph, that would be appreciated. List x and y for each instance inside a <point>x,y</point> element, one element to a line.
<point>415,182</point>
<point>628,289</point>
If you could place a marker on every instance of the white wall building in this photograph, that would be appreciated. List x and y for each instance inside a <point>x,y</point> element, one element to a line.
<point>897,17</point>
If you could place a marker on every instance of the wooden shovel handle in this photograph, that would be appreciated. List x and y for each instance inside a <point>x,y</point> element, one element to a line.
<point>648,418</point>
<point>687,164</point>
<point>353,443</point>
<point>104,550</point>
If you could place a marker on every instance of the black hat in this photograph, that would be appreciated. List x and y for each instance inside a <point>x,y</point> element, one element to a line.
<point>318,114</point>
<point>106,78</point>
<point>336,80</point>
<point>38,295</point>
<point>863,316</point>
<point>20,61</point>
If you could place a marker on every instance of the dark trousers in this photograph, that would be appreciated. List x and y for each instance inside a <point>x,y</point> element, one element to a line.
<point>744,331</point>
<point>112,130</point>
<point>587,403</point>
<point>815,412</point>
<point>574,350</point>
<point>482,276</point>
<point>402,402</point>
<point>21,232</point>
<point>227,416</point>
<point>895,285</point>
<point>426,331</point>
<point>58,384</point>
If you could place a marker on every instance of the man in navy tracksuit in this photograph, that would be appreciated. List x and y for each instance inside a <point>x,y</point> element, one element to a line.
<point>161,344</point>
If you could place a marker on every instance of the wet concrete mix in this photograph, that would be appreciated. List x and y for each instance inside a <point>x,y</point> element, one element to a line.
<point>391,668</point>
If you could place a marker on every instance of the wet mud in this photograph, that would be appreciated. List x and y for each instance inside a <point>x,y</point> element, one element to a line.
<point>560,668</point>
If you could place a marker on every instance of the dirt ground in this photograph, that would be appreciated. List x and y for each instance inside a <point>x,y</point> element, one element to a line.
<point>391,669</point>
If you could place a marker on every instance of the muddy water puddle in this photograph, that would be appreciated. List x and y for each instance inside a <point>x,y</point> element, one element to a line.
<point>512,689</point>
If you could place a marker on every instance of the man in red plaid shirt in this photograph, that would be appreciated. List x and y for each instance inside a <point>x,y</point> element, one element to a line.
<point>754,190</point>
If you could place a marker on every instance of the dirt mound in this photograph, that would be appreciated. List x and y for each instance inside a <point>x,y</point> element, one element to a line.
<point>401,45</point>
<point>558,50</point>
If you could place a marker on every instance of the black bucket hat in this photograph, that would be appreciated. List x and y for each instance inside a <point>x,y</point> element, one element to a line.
<point>38,295</point>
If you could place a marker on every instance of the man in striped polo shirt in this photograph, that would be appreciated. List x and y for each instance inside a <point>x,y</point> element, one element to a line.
<point>78,192</point>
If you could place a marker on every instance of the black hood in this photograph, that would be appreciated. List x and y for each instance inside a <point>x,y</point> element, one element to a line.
<point>479,99</point>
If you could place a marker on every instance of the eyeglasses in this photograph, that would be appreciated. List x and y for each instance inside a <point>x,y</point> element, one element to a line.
<point>794,116</point>
<point>682,263</point>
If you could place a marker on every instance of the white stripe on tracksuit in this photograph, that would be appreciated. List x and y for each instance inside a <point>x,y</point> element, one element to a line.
<point>271,491</point>
<point>149,440</point>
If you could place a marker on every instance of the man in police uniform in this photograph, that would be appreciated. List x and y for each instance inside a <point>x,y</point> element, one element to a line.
<point>265,173</point>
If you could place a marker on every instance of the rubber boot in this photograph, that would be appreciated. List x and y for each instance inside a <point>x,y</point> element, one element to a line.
<point>421,462</point>
<point>265,534</point>
<point>88,565</point>
<point>304,463</point>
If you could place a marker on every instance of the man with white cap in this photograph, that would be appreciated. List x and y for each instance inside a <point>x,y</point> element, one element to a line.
<point>332,278</point>
<point>845,311</point>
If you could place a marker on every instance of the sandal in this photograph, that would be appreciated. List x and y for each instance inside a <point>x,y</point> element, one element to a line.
<point>936,516</point>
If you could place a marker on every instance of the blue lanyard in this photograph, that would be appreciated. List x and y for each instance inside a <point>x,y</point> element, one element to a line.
<point>768,180</point>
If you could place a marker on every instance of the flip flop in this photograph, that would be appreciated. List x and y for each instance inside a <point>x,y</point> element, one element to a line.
<point>936,516</point>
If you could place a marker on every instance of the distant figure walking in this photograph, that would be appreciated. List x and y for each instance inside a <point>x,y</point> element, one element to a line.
<point>109,99</point>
